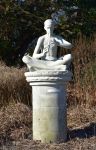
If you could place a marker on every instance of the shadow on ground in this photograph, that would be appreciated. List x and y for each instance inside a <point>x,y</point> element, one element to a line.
<point>86,132</point>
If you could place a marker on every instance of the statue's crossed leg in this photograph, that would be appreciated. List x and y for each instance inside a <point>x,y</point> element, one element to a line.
<point>47,65</point>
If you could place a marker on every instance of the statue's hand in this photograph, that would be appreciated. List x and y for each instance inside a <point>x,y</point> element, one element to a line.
<point>45,52</point>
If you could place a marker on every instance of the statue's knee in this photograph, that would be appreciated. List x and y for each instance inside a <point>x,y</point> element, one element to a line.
<point>69,56</point>
<point>26,59</point>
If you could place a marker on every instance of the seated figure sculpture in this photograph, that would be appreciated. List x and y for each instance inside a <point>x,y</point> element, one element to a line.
<point>45,53</point>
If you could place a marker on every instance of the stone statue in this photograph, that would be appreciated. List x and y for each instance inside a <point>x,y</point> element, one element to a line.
<point>45,53</point>
<point>48,83</point>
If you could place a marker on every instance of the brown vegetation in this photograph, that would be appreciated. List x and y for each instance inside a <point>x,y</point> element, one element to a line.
<point>13,86</point>
<point>16,132</point>
<point>15,92</point>
<point>83,89</point>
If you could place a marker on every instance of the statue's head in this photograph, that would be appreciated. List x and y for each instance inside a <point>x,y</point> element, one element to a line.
<point>49,25</point>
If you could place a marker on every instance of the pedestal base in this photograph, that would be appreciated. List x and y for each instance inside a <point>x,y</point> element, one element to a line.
<point>49,104</point>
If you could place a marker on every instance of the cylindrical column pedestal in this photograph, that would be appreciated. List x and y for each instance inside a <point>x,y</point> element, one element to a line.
<point>49,104</point>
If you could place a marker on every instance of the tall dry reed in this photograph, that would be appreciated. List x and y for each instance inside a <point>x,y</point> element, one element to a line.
<point>13,86</point>
<point>81,90</point>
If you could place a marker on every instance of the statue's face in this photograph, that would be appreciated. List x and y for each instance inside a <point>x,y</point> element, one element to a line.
<point>49,26</point>
<point>49,29</point>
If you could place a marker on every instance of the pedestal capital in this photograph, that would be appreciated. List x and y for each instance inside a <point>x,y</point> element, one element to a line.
<point>48,77</point>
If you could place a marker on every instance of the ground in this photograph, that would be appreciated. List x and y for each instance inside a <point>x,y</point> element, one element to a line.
<point>16,133</point>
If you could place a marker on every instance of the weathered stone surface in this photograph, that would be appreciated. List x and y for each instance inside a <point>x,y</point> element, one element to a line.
<point>48,76</point>
<point>49,104</point>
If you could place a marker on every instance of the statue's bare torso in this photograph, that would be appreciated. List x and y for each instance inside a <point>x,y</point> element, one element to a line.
<point>49,45</point>
<point>45,53</point>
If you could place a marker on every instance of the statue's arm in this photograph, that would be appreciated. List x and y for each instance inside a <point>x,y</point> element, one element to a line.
<point>63,43</point>
<point>37,49</point>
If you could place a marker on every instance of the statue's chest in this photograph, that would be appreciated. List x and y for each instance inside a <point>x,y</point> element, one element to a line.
<point>49,42</point>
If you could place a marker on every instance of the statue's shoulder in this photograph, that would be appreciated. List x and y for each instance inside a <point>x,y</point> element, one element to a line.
<point>41,38</point>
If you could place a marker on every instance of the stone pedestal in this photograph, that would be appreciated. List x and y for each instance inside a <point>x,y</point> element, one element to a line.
<point>49,104</point>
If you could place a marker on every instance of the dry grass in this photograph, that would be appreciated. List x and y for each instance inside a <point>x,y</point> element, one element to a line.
<point>13,86</point>
<point>15,129</point>
<point>15,92</point>
<point>83,89</point>
<point>15,122</point>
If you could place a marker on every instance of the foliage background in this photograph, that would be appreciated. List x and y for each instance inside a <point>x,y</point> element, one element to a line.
<point>21,21</point>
